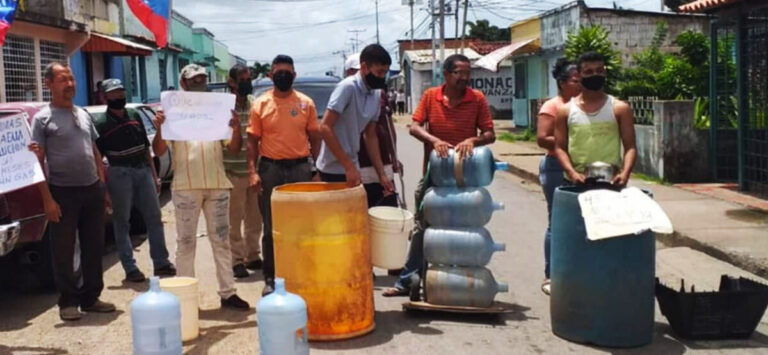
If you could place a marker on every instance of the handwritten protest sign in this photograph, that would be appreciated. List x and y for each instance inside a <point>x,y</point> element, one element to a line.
<point>19,167</point>
<point>197,116</point>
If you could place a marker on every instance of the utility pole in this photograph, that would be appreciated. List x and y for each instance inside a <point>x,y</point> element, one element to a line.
<point>456,20</point>
<point>464,25</point>
<point>434,43</point>
<point>377,21</point>
<point>410,3</point>
<point>357,38</point>
<point>442,36</point>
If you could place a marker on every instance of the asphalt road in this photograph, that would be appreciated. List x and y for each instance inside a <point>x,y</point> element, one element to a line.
<point>29,322</point>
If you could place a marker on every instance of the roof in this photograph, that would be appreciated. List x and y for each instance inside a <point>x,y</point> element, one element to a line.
<point>491,61</point>
<point>704,5</point>
<point>424,56</point>
<point>484,48</point>
<point>114,45</point>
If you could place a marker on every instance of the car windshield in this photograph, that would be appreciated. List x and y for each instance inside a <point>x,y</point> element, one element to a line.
<point>319,93</point>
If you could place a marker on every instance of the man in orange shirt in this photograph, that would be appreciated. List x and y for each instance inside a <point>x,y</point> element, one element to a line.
<point>284,121</point>
<point>454,114</point>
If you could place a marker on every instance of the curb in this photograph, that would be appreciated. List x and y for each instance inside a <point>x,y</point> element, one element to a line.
<point>677,239</point>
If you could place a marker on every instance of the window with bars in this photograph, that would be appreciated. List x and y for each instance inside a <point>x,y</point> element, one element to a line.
<point>18,59</point>
<point>50,52</point>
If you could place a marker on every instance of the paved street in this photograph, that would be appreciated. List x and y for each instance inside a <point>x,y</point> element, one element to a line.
<point>29,322</point>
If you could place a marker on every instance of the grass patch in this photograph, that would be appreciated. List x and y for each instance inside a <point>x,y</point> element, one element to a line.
<point>525,136</point>
<point>653,179</point>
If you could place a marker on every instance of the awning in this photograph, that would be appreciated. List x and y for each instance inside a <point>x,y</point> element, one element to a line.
<point>116,46</point>
<point>492,60</point>
<point>704,5</point>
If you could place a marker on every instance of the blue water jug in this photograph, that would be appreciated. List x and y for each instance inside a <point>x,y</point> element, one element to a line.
<point>474,171</point>
<point>462,286</point>
<point>602,291</point>
<point>282,318</point>
<point>156,322</point>
<point>460,246</point>
<point>459,207</point>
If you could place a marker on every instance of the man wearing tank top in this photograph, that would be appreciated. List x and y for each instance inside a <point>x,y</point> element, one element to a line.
<point>594,126</point>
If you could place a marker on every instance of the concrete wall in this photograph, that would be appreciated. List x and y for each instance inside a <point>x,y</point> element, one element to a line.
<point>497,88</point>
<point>557,24</point>
<point>671,148</point>
<point>525,30</point>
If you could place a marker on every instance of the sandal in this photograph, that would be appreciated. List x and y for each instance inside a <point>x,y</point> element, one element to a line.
<point>395,292</point>
<point>546,286</point>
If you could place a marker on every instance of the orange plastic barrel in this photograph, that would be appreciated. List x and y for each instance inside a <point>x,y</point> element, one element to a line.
<point>323,251</point>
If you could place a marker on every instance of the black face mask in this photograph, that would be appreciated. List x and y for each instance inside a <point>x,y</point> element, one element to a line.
<point>244,88</point>
<point>374,82</point>
<point>117,104</point>
<point>283,80</point>
<point>594,82</point>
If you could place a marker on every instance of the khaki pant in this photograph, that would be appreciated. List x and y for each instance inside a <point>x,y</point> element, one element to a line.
<point>215,207</point>
<point>244,210</point>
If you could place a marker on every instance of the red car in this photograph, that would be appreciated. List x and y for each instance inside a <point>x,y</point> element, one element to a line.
<point>22,217</point>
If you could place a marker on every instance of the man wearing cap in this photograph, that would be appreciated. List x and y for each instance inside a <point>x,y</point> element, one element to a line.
<point>131,181</point>
<point>200,183</point>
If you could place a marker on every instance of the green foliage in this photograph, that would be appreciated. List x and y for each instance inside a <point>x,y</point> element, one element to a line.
<point>701,119</point>
<point>595,39</point>
<point>526,136</point>
<point>260,69</point>
<point>482,29</point>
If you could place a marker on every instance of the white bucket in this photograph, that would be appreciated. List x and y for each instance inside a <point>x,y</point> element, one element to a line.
<point>390,228</point>
<point>185,288</point>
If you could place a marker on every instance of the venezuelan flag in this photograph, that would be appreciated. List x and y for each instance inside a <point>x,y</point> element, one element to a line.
<point>154,15</point>
<point>7,11</point>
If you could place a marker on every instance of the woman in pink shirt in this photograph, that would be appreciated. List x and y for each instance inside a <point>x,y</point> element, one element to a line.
<point>550,172</point>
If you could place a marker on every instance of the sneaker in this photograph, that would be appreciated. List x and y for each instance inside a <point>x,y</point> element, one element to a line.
<point>168,270</point>
<point>254,265</point>
<point>240,271</point>
<point>69,314</point>
<point>546,287</point>
<point>99,307</point>
<point>235,302</point>
<point>269,287</point>
<point>135,276</point>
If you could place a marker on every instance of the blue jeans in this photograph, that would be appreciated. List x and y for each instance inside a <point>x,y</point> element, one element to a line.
<point>128,187</point>
<point>550,177</point>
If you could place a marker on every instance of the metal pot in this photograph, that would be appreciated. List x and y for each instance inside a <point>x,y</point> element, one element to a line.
<point>600,171</point>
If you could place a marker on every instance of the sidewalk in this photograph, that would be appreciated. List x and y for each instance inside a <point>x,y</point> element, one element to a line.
<point>722,226</point>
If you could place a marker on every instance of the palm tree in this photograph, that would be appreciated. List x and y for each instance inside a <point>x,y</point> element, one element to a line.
<point>260,70</point>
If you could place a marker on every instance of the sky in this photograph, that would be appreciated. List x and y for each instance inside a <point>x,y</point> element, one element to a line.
<point>316,32</point>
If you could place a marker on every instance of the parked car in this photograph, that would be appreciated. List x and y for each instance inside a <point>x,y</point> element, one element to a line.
<point>26,243</point>
<point>318,88</point>
<point>163,164</point>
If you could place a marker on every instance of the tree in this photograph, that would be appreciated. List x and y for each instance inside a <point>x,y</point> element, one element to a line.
<point>595,39</point>
<point>675,4</point>
<point>482,29</point>
<point>259,69</point>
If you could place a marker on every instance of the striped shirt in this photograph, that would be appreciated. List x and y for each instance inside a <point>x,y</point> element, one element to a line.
<point>237,164</point>
<point>198,165</point>
<point>453,124</point>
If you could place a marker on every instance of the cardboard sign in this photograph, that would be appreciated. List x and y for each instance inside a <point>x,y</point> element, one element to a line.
<point>19,166</point>
<point>197,116</point>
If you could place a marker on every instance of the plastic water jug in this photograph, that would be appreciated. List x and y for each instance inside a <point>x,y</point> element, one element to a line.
<point>459,207</point>
<point>462,286</point>
<point>474,171</point>
<point>156,322</point>
<point>460,246</point>
<point>282,318</point>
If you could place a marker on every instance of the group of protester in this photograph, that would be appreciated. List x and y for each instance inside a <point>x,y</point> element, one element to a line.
<point>273,138</point>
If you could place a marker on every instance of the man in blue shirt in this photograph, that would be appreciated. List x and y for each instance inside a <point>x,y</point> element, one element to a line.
<point>354,109</point>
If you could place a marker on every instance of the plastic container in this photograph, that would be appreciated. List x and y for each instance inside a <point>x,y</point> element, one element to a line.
<point>460,246</point>
<point>156,322</point>
<point>185,289</point>
<point>474,171</point>
<point>602,291</point>
<point>733,312</point>
<point>459,207</point>
<point>462,286</point>
<point>323,251</point>
<point>390,228</point>
<point>282,318</point>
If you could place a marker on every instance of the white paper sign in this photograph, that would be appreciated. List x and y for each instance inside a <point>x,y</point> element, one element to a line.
<point>609,214</point>
<point>19,166</point>
<point>197,116</point>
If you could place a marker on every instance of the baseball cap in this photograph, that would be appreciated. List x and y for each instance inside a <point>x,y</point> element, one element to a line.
<point>109,85</point>
<point>192,70</point>
<point>352,62</point>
